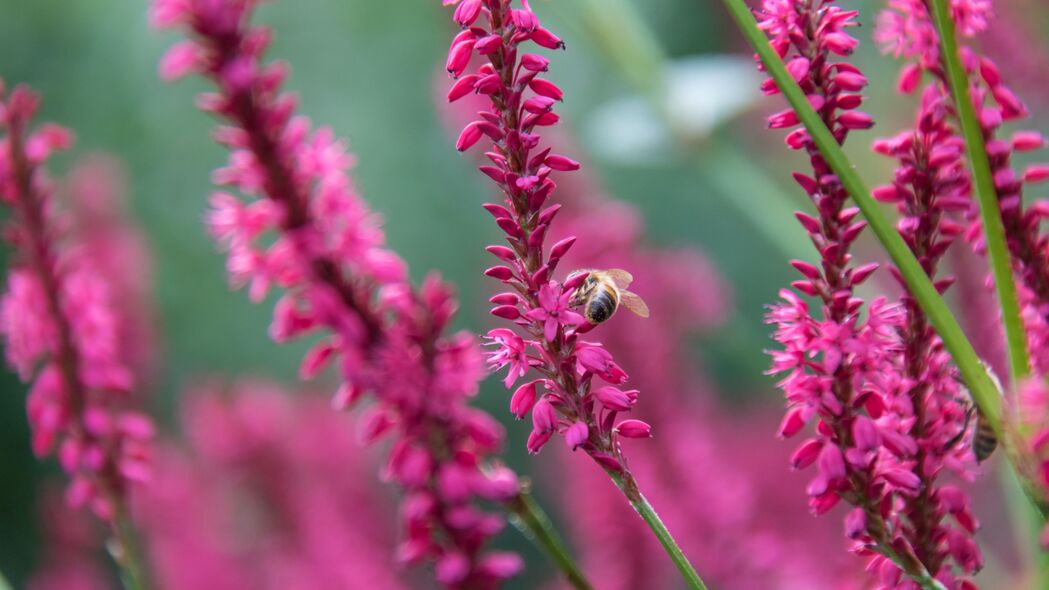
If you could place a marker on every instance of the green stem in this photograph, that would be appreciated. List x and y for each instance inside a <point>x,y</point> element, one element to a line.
<point>648,514</point>
<point>124,548</point>
<point>535,525</point>
<point>4,584</point>
<point>983,181</point>
<point>983,389</point>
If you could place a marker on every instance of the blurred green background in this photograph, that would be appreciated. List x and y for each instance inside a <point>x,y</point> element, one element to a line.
<point>367,69</point>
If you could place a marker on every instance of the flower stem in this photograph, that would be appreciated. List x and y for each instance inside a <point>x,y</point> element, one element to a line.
<point>535,525</point>
<point>4,584</point>
<point>983,389</point>
<point>983,181</point>
<point>125,550</point>
<point>651,518</point>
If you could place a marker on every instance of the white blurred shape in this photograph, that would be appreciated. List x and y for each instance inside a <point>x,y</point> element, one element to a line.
<point>700,94</point>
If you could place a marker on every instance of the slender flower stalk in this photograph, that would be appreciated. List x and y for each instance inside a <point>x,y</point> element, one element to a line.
<point>569,397</point>
<point>61,325</point>
<point>305,230</point>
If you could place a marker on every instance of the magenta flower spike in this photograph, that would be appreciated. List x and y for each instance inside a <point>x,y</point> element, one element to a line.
<point>303,229</point>
<point>62,329</point>
<point>577,396</point>
<point>549,324</point>
<point>844,366</point>
<point>931,191</point>
<point>906,30</point>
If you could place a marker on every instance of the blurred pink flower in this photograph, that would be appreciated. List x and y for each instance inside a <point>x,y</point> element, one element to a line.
<point>61,321</point>
<point>68,548</point>
<point>270,490</point>
<point>305,230</point>
<point>102,227</point>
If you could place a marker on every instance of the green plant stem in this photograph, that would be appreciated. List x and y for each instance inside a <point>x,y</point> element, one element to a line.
<point>648,514</point>
<point>4,584</point>
<point>125,550</point>
<point>535,525</point>
<point>983,389</point>
<point>983,181</point>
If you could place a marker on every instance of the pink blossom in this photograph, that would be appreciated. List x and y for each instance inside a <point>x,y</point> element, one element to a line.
<point>880,391</point>
<point>64,326</point>
<point>265,492</point>
<point>908,31</point>
<point>554,310</point>
<point>519,104</point>
<point>301,228</point>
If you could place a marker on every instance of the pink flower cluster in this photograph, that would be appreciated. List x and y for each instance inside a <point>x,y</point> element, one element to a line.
<point>930,189</point>
<point>880,389</point>
<point>305,230</point>
<point>566,399</point>
<point>268,491</point>
<point>61,325</point>
<point>996,104</point>
<point>907,30</point>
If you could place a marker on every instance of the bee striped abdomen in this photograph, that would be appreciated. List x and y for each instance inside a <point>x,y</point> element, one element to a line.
<point>601,306</point>
<point>984,440</point>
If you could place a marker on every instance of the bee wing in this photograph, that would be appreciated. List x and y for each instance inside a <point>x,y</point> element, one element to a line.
<point>621,277</point>
<point>634,303</point>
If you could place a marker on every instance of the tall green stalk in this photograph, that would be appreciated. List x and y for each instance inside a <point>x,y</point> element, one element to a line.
<point>651,518</point>
<point>983,181</point>
<point>529,518</point>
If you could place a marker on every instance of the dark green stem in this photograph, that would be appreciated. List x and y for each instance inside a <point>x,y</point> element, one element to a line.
<point>535,525</point>
<point>983,182</point>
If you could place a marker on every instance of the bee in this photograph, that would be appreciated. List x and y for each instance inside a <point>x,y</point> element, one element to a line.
<point>603,291</point>
<point>984,440</point>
